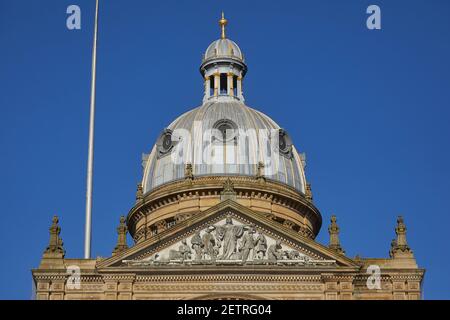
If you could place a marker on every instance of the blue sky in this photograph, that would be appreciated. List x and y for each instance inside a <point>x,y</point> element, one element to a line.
<point>369,108</point>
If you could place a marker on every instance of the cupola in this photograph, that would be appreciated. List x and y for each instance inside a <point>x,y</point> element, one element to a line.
<point>223,68</point>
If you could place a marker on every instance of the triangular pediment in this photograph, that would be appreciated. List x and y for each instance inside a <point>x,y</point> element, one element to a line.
<point>228,234</point>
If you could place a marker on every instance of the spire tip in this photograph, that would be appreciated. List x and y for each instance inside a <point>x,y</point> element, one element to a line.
<point>223,22</point>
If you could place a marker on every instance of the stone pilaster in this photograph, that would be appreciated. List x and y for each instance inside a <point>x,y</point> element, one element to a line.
<point>216,83</point>
<point>207,88</point>
<point>42,289</point>
<point>57,288</point>
<point>111,287</point>
<point>230,84</point>
<point>125,287</point>
<point>240,92</point>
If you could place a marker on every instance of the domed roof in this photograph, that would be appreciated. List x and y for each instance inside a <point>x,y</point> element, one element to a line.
<point>223,48</point>
<point>249,133</point>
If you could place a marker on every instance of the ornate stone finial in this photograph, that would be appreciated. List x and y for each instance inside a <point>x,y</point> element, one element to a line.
<point>399,246</point>
<point>358,260</point>
<point>400,230</point>
<point>393,246</point>
<point>333,230</point>
<point>122,236</point>
<point>260,172</point>
<point>189,172</point>
<point>308,192</point>
<point>222,23</point>
<point>55,248</point>
<point>139,192</point>
<point>228,190</point>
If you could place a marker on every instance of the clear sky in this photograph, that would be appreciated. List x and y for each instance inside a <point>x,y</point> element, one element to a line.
<point>371,110</point>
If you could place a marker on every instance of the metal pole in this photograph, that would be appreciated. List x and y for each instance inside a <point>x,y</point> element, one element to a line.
<point>87,237</point>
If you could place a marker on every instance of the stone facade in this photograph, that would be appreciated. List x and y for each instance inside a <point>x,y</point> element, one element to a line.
<point>189,259</point>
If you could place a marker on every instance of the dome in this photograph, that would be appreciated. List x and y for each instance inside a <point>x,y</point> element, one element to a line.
<point>222,153</point>
<point>223,48</point>
<point>237,134</point>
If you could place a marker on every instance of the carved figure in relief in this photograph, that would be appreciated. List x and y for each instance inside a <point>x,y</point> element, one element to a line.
<point>238,244</point>
<point>275,252</point>
<point>292,254</point>
<point>197,245</point>
<point>183,252</point>
<point>209,243</point>
<point>229,234</point>
<point>260,246</point>
<point>248,245</point>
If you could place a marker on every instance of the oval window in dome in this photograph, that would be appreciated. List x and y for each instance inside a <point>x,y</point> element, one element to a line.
<point>165,143</point>
<point>284,143</point>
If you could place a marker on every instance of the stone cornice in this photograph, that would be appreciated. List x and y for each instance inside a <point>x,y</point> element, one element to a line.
<point>231,287</point>
<point>119,277</point>
<point>393,277</point>
<point>49,276</point>
<point>255,270</point>
<point>338,277</point>
<point>230,278</point>
<point>204,186</point>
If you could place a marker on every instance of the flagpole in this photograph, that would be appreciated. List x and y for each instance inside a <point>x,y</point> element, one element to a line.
<point>87,237</point>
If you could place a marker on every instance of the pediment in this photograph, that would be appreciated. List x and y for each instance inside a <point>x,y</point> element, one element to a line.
<point>230,241</point>
<point>228,234</point>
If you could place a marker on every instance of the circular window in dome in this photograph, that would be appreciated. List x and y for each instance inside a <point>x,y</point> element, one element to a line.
<point>284,143</point>
<point>165,143</point>
<point>225,130</point>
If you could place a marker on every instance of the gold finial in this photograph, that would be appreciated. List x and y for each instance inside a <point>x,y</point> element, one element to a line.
<point>222,23</point>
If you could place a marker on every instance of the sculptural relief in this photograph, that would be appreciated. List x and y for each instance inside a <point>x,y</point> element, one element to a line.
<point>260,246</point>
<point>183,252</point>
<point>228,234</point>
<point>229,242</point>
<point>210,250</point>
<point>275,252</point>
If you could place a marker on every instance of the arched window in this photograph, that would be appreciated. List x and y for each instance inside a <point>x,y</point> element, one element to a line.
<point>235,78</point>
<point>211,86</point>
<point>223,83</point>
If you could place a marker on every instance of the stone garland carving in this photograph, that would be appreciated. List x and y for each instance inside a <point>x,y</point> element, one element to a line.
<point>229,243</point>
